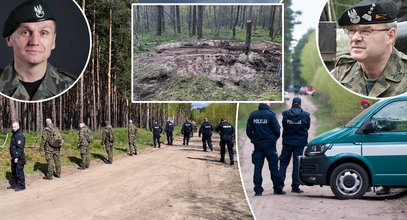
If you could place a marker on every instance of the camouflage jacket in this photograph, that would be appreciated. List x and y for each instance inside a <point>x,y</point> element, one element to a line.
<point>132,130</point>
<point>391,82</point>
<point>107,133</point>
<point>83,136</point>
<point>54,82</point>
<point>46,137</point>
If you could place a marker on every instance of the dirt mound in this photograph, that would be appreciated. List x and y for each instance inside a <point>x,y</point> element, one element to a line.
<point>221,64</point>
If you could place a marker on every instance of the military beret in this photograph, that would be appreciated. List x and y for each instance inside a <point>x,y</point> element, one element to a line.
<point>370,12</point>
<point>28,11</point>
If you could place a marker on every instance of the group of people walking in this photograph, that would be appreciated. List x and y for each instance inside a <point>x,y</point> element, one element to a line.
<point>263,130</point>
<point>51,142</point>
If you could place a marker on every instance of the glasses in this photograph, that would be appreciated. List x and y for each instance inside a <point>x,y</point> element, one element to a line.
<point>362,32</point>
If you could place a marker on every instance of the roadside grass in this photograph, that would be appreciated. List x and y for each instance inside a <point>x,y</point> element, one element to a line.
<point>324,116</point>
<point>150,40</point>
<point>70,154</point>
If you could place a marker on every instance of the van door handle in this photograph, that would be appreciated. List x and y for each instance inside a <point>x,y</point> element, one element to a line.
<point>357,143</point>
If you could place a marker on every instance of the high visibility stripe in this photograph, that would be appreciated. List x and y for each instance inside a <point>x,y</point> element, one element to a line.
<point>343,148</point>
<point>385,149</point>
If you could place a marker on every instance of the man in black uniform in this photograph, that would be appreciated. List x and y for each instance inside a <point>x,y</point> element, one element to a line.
<point>186,130</point>
<point>169,129</point>
<point>263,130</point>
<point>17,143</point>
<point>227,132</point>
<point>206,130</point>
<point>156,129</point>
<point>296,123</point>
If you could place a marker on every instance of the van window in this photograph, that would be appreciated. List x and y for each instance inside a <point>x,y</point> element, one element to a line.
<point>393,117</point>
<point>356,119</point>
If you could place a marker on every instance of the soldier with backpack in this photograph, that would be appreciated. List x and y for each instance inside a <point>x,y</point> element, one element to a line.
<point>51,143</point>
<point>85,137</point>
<point>108,140</point>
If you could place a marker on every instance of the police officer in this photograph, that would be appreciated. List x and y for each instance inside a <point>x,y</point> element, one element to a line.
<point>375,67</point>
<point>52,153</point>
<point>206,130</point>
<point>263,130</point>
<point>30,30</point>
<point>227,132</point>
<point>17,143</point>
<point>108,140</point>
<point>186,130</point>
<point>156,129</point>
<point>83,144</point>
<point>296,123</point>
<point>169,129</point>
<point>132,132</point>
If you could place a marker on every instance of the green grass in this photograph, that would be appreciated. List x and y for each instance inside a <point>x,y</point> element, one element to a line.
<point>70,154</point>
<point>150,40</point>
<point>324,116</point>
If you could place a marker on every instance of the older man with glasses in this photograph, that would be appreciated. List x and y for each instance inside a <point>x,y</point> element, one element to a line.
<point>375,67</point>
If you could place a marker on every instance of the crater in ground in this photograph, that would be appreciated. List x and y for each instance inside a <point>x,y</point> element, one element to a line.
<point>208,70</point>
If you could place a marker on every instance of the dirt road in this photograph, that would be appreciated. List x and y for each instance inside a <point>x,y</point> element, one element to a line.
<point>316,202</point>
<point>173,182</point>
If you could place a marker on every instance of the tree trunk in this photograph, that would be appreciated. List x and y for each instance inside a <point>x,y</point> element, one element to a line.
<point>248,36</point>
<point>109,68</point>
<point>200,20</point>
<point>178,19</point>
<point>159,20</point>
<point>194,20</point>
<point>236,20</point>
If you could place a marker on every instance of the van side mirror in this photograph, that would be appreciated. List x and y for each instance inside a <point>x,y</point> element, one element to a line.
<point>369,127</point>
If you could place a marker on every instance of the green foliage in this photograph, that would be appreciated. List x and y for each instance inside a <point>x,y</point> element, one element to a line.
<point>214,112</point>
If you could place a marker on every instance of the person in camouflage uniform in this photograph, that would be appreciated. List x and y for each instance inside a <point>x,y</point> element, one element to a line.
<point>52,153</point>
<point>108,140</point>
<point>29,76</point>
<point>132,132</point>
<point>83,144</point>
<point>375,67</point>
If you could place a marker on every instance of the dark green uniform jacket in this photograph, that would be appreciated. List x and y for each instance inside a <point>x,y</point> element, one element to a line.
<point>54,82</point>
<point>391,82</point>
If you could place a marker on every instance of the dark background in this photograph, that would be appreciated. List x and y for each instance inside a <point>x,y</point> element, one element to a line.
<point>72,41</point>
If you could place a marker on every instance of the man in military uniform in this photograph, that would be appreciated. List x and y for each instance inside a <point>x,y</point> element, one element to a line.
<point>156,129</point>
<point>375,67</point>
<point>186,130</point>
<point>206,130</point>
<point>169,129</point>
<point>30,30</point>
<point>263,131</point>
<point>108,140</point>
<point>83,144</point>
<point>17,143</point>
<point>132,132</point>
<point>227,132</point>
<point>296,123</point>
<point>52,151</point>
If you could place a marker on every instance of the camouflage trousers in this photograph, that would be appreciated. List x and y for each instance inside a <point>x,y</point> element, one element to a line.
<point>132,144</point>
<point>52,156</point>
<point>85,156</point>
<point>109,151</point>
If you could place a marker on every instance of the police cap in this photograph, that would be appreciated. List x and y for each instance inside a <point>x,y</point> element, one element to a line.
<point>28,11</point>
<point>370,12</point>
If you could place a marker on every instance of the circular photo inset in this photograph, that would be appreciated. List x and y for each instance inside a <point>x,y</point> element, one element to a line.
<point>45,48</point>
<point>364,44</point>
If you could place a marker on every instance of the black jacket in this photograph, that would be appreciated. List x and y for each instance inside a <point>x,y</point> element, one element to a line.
<point>17,145</point>
<point>156,129</point>
<point>296,123</point>
<point>262,127</point>
<point>226,131</point>
<point>206,129</point>
<point>187,128</point>
<point>169,127</point>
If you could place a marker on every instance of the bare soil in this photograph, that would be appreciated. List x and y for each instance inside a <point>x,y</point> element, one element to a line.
<point>172,182</point>
<point>173,68</point>
<point>317,202</point>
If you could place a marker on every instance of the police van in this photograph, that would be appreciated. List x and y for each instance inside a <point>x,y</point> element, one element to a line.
<point>370,150</point>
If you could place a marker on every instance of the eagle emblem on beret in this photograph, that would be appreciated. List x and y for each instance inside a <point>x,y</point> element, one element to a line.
<point>39,12</point>
<point>353,16</point>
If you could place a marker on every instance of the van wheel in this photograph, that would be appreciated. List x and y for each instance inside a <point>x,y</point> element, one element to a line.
<point>349,181</point>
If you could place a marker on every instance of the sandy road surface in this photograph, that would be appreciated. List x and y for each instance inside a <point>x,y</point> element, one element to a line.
<point>174,182</point>
<point>316,202</point>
